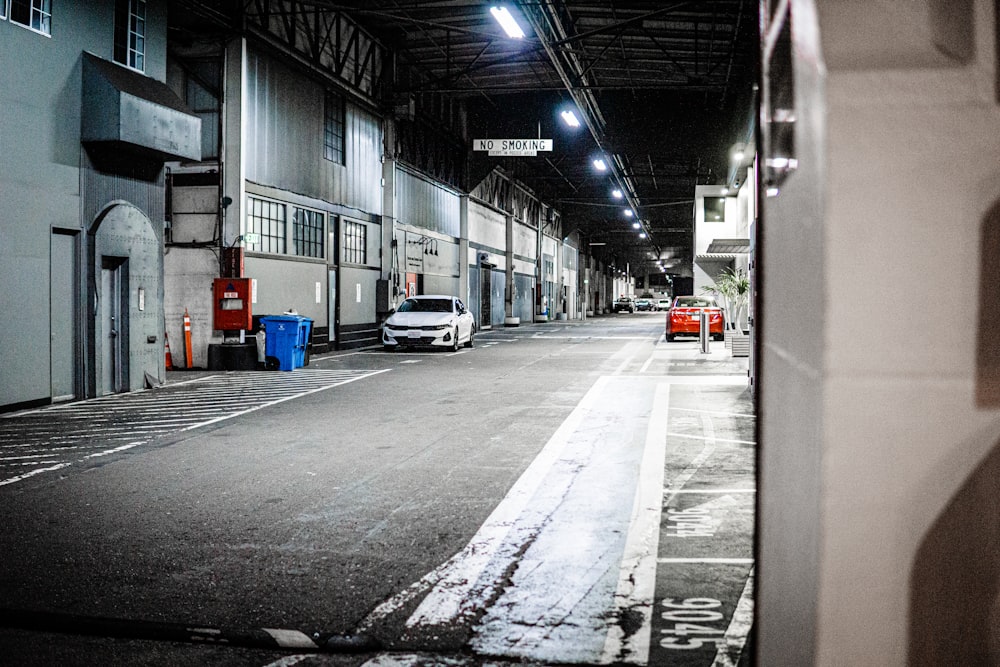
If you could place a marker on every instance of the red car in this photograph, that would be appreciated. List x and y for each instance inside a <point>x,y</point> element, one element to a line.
<point>684,317</point>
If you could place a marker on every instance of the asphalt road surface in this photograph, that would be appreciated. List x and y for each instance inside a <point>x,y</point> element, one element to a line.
<point>563,493</point>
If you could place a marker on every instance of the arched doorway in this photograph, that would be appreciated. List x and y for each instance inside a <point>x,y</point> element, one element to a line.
<point>126,301</point>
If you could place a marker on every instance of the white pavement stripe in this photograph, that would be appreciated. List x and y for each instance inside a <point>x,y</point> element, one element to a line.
<point>713,439</point>
<point>137,418</point>
<point>665,491</point>
<point>719,561</point>
<point>637,576</point>
<point>19,478</point>
<point>291,638</point>
<point>728,655</point>
<point>458,578</point>
<point>719,412</point>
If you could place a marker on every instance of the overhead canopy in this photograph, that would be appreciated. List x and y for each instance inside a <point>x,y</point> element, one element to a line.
<point>728,246</point>
<point>123,109</point>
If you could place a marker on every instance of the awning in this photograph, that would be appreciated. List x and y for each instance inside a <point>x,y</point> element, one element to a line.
<point>123,109</point>
<point>728,246</point>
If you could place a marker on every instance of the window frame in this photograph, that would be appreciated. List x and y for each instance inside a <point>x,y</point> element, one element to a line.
<point>3,9</point>
<point>334,126</point>
<point>128,24</point>
<point>312,245</point>
<point>41,7</point>
<point>255,225</point>
<point>354,242</point>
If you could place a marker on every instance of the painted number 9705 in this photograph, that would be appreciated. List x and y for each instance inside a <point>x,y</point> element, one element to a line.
<point>689,617</point>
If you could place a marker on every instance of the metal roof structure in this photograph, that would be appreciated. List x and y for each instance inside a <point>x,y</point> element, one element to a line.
<point>662,90</point>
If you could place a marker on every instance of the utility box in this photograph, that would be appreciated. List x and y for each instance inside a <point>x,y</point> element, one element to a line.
<point>231,304</point>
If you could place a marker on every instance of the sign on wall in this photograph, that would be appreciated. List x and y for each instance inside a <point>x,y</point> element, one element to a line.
<point>512,147</point>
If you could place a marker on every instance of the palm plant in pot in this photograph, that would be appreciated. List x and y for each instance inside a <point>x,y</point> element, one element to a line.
<point>733,286</point>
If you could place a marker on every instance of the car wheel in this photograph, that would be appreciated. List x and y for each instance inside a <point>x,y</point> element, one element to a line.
<point>454,340</point>
<point>671,338</point>
<point>472,334</point>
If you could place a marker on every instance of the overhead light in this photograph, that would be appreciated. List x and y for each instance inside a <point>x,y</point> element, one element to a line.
<point>629,213</point>
<point>738,156</point>
<point>642,235</point>
<point>600,165</point>
<point>636,225</point>
<point>570,118</point>
<point>725,191</point>
<point>507,22</point>
<point>616,193</point>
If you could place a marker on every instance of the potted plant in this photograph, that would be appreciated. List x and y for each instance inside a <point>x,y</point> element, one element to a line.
<point>733,285</point>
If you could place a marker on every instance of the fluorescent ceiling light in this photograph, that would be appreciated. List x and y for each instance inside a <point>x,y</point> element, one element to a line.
<point>616,193</point>
<point>570,118</point>
<point>599,165</point>
<point>642,235</point>
<point>636,225</point>
<point>629,213</point>
<point>507,22</point>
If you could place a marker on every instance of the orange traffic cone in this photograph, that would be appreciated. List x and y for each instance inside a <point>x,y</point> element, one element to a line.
<point>166,350</point>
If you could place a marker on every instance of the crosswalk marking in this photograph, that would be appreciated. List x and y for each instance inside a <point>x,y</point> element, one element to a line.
<point>55,437</point>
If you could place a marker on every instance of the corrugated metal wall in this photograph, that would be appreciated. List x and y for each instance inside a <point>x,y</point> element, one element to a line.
<point>427,205</point>
<point>284,139</point>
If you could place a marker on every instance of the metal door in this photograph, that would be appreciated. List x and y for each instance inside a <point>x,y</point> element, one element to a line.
<point>114,326</point>
<point>485,293</point>
<point>63,316</point>
<point>331,304</point>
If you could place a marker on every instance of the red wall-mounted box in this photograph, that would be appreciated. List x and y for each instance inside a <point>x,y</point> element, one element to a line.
<point>232,304</point>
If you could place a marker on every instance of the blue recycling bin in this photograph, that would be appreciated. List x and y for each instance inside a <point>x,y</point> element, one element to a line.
<point>285,339</point>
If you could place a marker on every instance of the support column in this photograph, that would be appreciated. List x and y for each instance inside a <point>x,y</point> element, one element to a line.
<point>508,299</point>
<point>233,169</point>
<point>463,249</point>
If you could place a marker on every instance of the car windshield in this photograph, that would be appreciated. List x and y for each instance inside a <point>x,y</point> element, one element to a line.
<point>425,306</point>
<point>696,302</point>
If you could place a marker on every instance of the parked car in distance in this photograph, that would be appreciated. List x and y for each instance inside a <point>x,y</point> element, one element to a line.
<point>429,320</point>
<point>643,304</point>
<point>623,304</point>
<point>684,317</point>
<point>663,304</point>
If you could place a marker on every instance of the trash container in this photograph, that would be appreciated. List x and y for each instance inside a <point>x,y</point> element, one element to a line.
<point>285,340</point>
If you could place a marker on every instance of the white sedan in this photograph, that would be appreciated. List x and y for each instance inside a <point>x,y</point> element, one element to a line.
<point>429,320</point>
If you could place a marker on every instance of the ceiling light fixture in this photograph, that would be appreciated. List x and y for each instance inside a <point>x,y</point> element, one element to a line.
<point>616,193</point>
<point>507,22</point>
<point>636,225</point>
<point>629,213</point>
<point>570,118</point>
<point>642,235</point>
<point>600,165</point>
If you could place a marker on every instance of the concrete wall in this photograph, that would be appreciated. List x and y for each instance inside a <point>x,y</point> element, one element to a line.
<point>879,433</point>
<point>40,158</point>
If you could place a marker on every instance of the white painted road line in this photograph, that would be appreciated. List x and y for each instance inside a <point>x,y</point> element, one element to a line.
<point>459,576</point>
<point>713,439</point>
<point>637,576</point>
<point>728,654</point>
<point>719,561</point>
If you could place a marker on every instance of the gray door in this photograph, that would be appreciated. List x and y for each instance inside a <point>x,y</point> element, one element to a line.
<point>114,326</point>
<point>331,303</point>
<point>63,317</point>
<point>485,292</point>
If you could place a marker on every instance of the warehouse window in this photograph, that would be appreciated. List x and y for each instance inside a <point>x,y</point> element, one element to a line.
<point>267,220</point>
<point>333,128</point>
<point>715,209</point>
<point>355,242</point>
<point>130,33</point>
<point>307,232</point>
<point>34,14</point>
